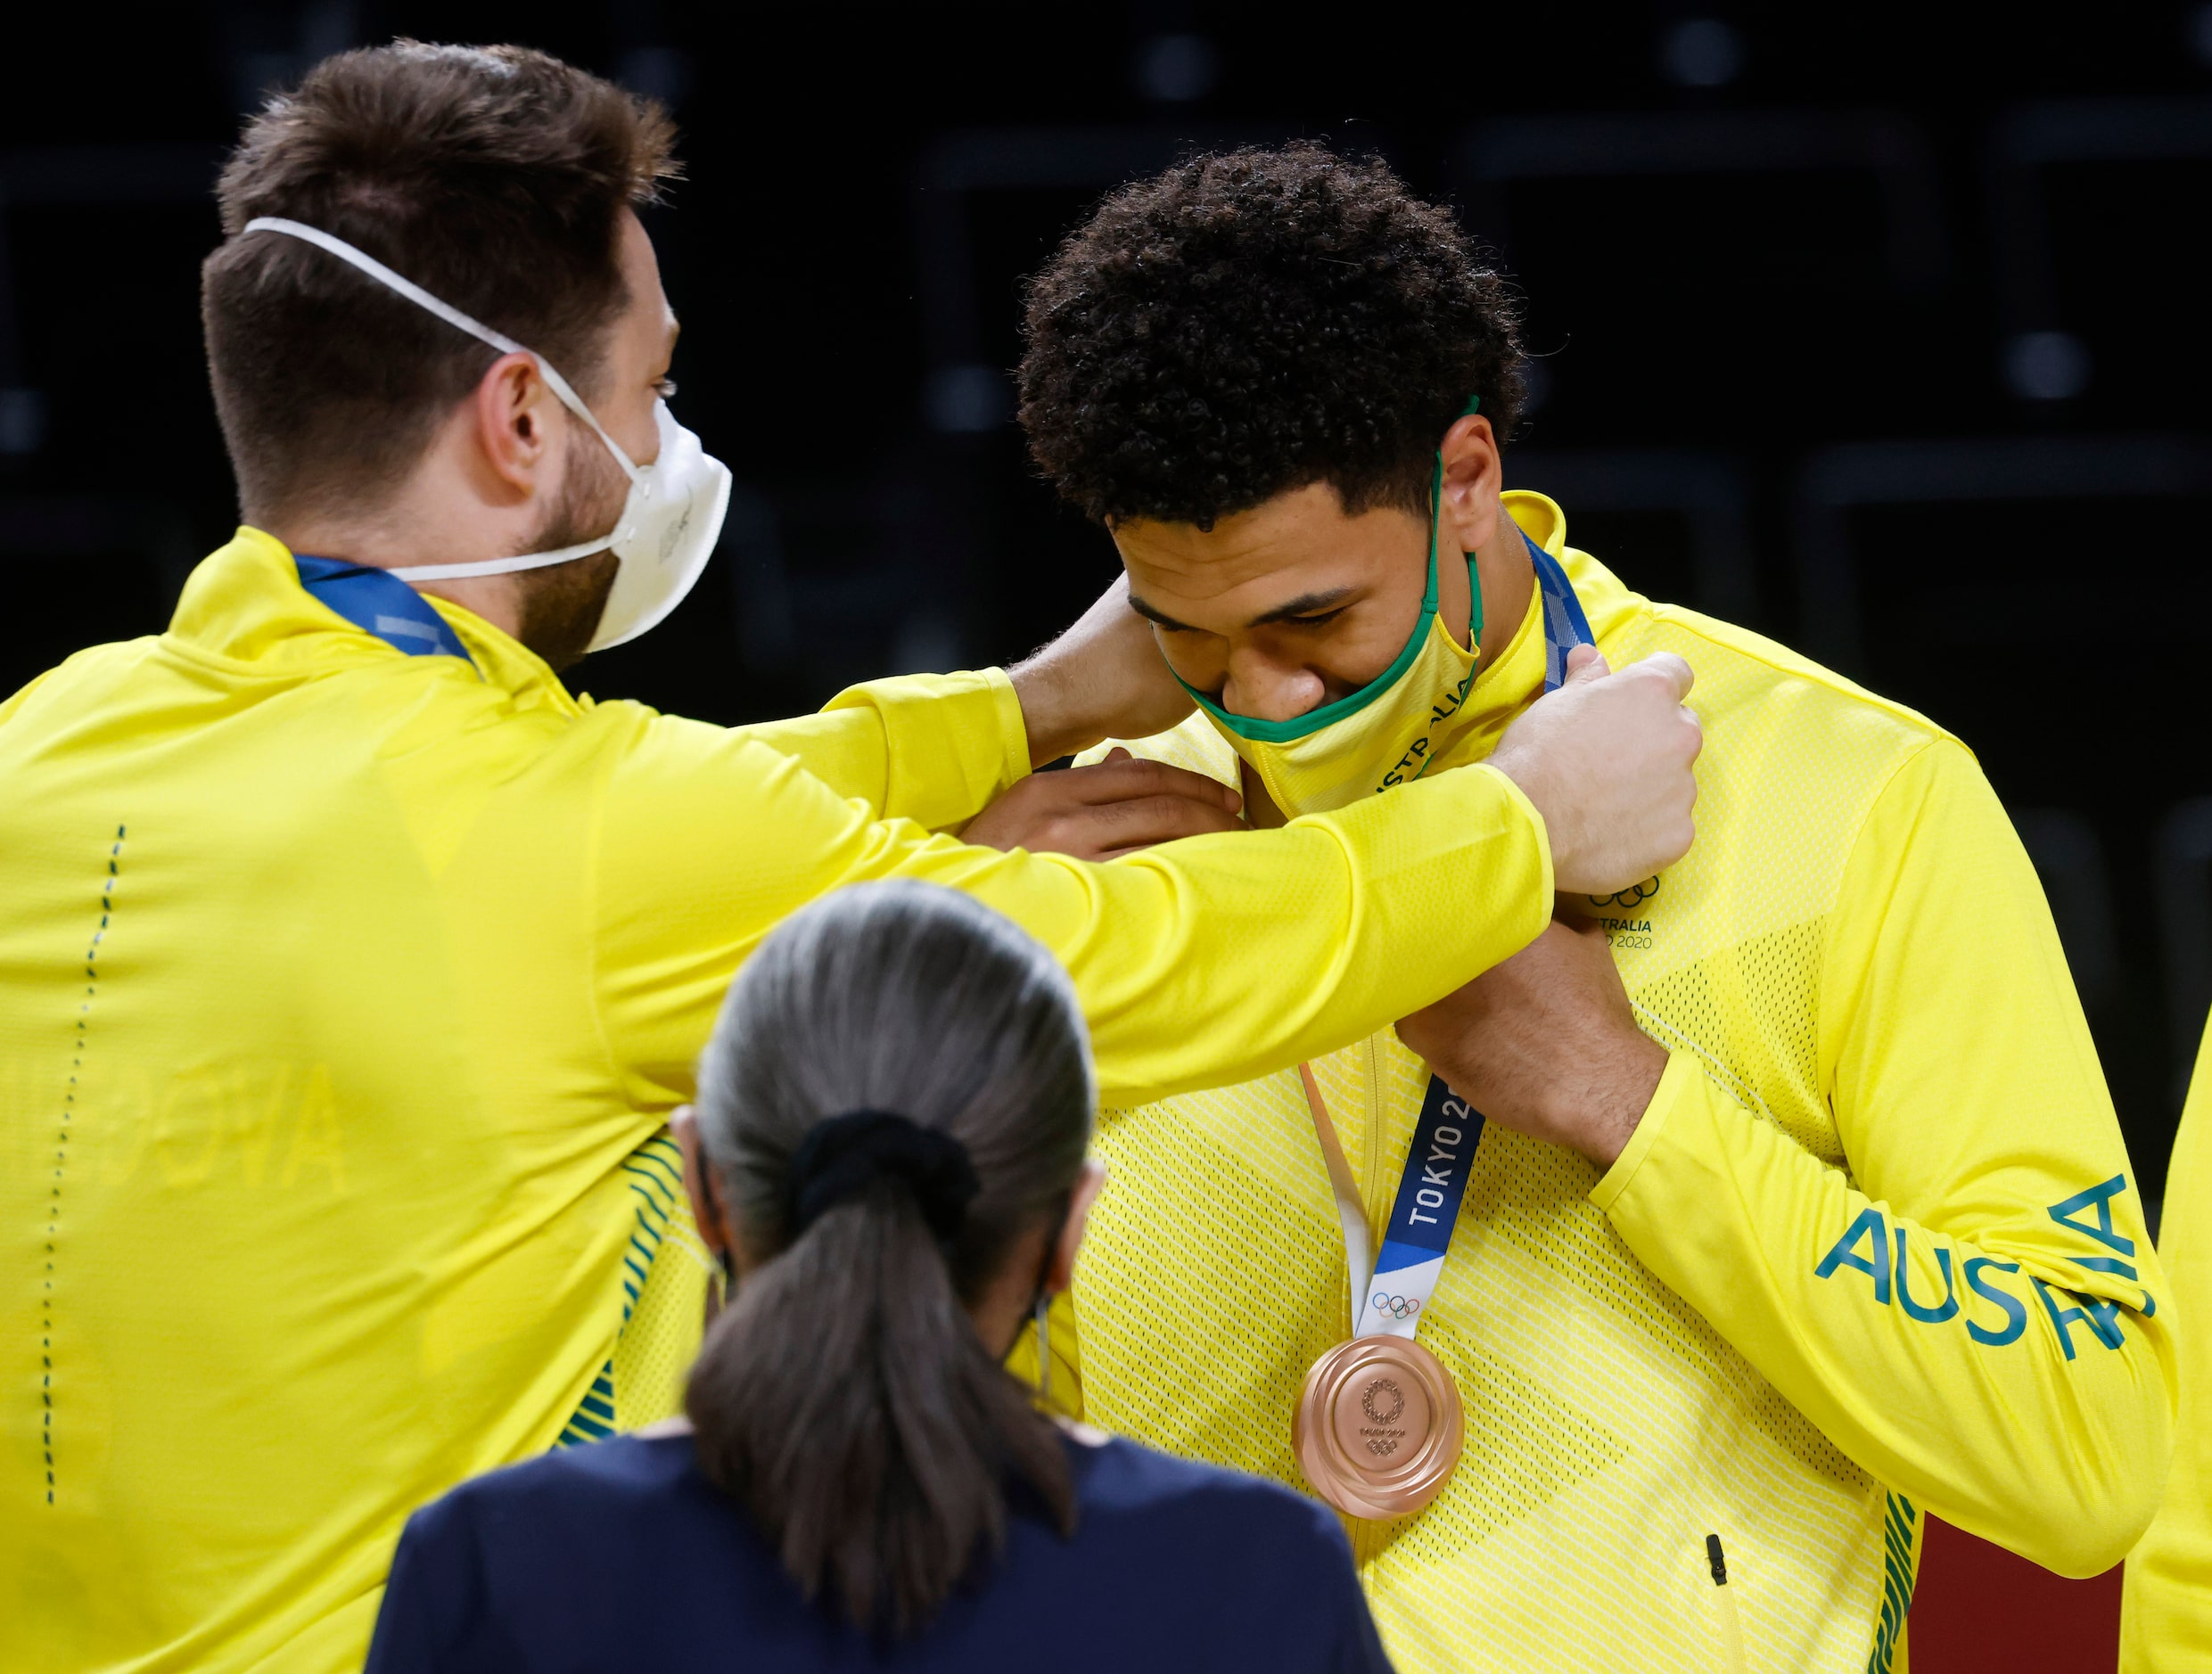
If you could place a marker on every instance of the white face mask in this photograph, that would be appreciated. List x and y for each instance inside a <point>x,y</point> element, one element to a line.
<point>669,523</point>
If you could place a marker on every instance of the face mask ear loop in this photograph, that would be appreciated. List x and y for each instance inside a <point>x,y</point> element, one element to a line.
<point>1435,525</point>
<point>445,311</point>
<point>574,403</point>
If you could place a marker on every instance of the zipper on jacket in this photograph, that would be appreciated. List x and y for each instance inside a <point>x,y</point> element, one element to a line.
<point>1732,1624</point>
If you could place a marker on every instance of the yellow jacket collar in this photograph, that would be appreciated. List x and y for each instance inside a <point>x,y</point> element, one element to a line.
<point>244,604</point>
<point>1509,686</point>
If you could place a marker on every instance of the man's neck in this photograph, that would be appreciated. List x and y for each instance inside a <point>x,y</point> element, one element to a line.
<point>1260,810</point>
<point>391,544</point>
<point>1506,578</point>
<point>448,510</point>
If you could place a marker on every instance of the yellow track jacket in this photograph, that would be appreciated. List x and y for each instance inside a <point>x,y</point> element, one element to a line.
<point>343,993</point>
<point>1875,1249</point>
<point>2166,1610</point>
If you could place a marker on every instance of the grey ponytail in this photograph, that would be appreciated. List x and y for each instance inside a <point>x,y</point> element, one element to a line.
<point>844,1396</point>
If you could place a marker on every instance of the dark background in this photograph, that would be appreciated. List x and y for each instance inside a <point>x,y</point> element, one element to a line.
<point>1883,333</point>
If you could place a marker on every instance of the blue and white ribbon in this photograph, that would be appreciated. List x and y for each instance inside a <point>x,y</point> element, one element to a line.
<point>1389,1301</point>
<point>1564,625</point>
<point>1412,1256</point>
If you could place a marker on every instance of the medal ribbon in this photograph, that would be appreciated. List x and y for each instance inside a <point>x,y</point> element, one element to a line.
<point>1412,1259</point>
<point>1388,1298</point>
<point>1564,625</point>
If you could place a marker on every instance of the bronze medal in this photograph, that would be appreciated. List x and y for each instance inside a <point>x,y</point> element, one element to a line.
<point>1378,1428</point>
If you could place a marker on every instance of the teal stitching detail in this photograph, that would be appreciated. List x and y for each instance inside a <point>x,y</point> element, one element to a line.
<point>655,1205</point>
<point>1897,1578</point>
<point>60,1159</point>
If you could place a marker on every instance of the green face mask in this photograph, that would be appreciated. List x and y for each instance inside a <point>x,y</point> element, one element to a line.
<point>1383,734</point>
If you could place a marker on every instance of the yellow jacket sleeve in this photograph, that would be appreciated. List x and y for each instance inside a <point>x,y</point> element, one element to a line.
<point>2166,1608</point>
<point>934,748</point>
<point>1972,1312</point>
<point>15,700</point>
<point>1199,963</point>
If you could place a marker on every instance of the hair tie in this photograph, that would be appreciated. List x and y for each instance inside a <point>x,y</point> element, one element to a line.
<point>843,1155</point>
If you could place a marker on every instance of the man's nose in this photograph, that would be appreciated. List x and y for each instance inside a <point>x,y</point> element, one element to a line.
<point>1264,690</point>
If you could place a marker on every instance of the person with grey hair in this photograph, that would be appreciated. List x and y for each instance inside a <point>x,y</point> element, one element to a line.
<point>890,1150</point>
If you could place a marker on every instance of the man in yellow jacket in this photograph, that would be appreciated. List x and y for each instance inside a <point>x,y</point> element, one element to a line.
<point>350,965</point>
<point>1790,1202</point>
<point>2166,1604</point>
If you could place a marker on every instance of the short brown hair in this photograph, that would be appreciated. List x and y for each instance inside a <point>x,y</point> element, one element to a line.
<point>493,177</point>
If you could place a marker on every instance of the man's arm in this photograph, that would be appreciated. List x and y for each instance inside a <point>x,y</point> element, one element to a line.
<point>15,700</point>
<point>1974,1313</point>
<point>1606,760</point>
<point>932,748</point>
<point>1198,964</point>
<point>940,749</point>
<point>935,748</point>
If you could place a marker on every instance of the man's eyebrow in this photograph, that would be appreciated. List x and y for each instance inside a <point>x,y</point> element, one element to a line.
<point>1160,617</point>
<point>1304,604</point>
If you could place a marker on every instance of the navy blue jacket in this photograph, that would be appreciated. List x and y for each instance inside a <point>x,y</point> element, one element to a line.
<point>621,1554</point>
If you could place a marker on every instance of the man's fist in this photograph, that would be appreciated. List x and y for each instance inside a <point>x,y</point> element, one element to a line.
<point>1547,1044</point>
<point>1606,761</point>
<point>1115,807</point>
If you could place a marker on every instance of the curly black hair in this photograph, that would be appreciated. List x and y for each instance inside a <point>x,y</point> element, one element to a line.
<point>1255,320</point>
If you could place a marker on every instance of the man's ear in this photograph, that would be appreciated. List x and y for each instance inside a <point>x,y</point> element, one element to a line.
<point>1089,1183</point>
<point>516,431</point>
<point>1474,477</point>
<point>706,1207</point>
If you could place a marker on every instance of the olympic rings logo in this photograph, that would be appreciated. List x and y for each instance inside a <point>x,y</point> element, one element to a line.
<point>1396,1307</point>
<point>1635,895</point>
<point>1390,1391</point>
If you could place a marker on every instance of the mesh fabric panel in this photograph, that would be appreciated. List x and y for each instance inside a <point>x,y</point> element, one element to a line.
<point>652,1357</point>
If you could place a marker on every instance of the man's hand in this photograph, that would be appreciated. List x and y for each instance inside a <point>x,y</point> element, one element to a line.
<point>1115,807</point>
<point>1606,761</point>
<point>1103,678</point>
<point>1547,1044</point>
